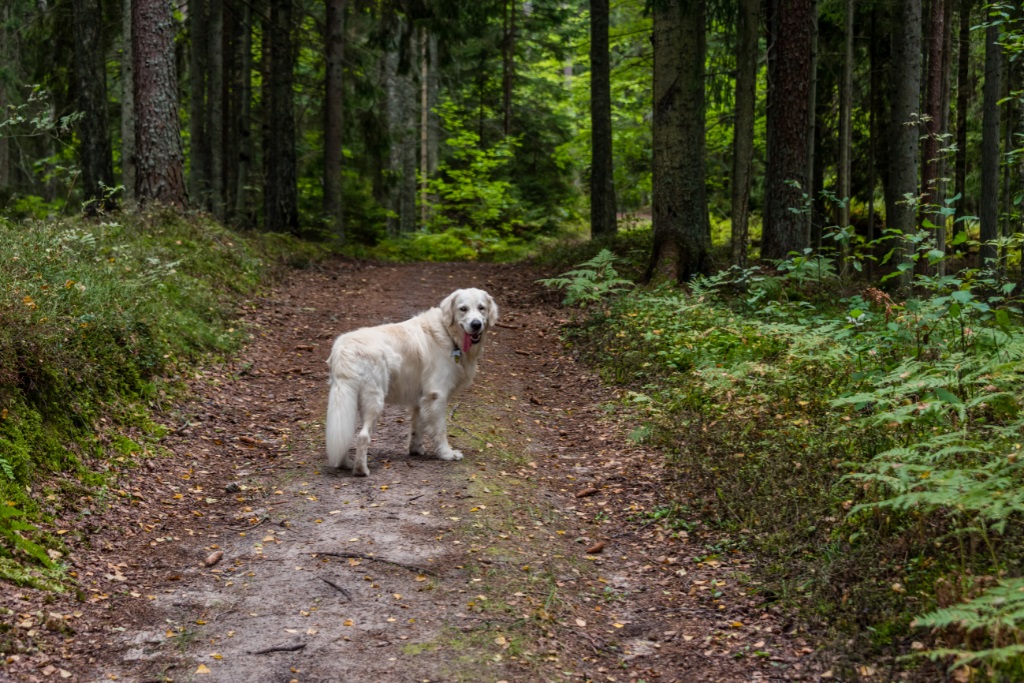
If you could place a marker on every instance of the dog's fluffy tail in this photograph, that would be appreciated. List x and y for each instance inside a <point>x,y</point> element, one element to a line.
<point>341,421</point>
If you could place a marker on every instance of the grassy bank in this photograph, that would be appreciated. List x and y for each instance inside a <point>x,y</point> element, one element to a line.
<point>97,321</point>
<point>867,448</point>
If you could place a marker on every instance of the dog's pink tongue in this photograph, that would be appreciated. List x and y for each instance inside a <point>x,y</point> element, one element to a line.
<point>467,342</point>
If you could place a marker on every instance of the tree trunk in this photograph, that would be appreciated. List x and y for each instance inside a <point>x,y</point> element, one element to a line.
<point>433,118</point>
<point>602,177</point>
<point>96,150</point>
<point>6,57</point>
<point>963,98</point>
<point>334,93</point>
<point>424,125</point>
<point>845,117</point>
<point>991,93</point>
<point>215,106</point>
<point>933,106</point>
<point>243,95</point>
<point>408,186</point>
<point>508,63</point>
<point>747,25</point>
<point>904,147</point>
<point>790,63</point>
<point>681,224</point>
<point>392,175</point>
<point>280,194</point>
<point>160,160</point>
<point>127,106</point>
<point>814,172</point>
<point>199,144</point>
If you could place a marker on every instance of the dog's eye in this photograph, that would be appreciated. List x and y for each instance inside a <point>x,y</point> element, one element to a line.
<point>481,307</point>
<point>463,308</point>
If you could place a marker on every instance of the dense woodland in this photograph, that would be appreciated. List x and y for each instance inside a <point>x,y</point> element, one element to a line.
<point>837,182</point>
<point>774,126</point>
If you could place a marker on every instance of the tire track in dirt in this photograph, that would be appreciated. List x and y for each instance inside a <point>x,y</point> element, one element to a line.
<point>475,570</point>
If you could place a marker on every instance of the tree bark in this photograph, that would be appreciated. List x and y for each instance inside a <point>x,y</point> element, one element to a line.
<point>6,57</point>
<point>814,170</point>
<point>602,176</point>
<point>790,63</point>
<point>508,64</point>
<point>243,95</point>
<point>160,160</point>
<point>747,26</point>
<point>280,194</point>
<point>681,224</point>
<point>991,93</point>
<point>904,146</point>
<point>96,150</point>
<point>334,41</point>
<point>845,117</point>
<point>199,144</point>
<point>215,106</point>
<point>933,105</point>
<point>127,106</point>
<point>963,98</point>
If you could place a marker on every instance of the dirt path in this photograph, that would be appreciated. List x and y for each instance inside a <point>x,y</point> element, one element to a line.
<point>534,559</point>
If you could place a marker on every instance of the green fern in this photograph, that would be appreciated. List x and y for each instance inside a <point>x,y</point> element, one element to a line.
<point>10,526</point>
<point>997,613</point>
<point>590,282</point>
<point>7,468</point>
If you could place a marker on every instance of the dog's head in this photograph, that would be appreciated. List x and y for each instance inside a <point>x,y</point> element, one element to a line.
<point>469,314</point>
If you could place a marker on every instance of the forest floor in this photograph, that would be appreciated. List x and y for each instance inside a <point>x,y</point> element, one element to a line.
<point>235,554</point>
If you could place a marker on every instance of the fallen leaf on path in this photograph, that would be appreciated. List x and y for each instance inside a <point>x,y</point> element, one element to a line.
<point>586,492</point>
<point>596,548</point>
<point>213,558</point>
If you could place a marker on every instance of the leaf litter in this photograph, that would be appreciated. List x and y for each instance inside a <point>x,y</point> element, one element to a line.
<point>551,567</point>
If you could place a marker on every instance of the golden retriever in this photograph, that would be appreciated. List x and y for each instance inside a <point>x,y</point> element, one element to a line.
<point>420,363</point>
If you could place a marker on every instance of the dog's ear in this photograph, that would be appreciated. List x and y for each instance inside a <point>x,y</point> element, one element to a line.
<point>492,311</point>
<point>448,307</point>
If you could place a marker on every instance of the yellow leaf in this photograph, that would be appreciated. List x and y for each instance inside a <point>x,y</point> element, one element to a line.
<point>348,622</point>
<point>203,669</point>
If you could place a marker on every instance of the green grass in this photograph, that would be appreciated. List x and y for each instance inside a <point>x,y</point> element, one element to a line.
<point>99,318</point>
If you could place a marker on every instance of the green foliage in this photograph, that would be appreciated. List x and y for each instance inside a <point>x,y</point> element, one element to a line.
<point>868,447</point>
<point>471,188</point>
<point>591,282</point>
<point>95,315</point>
<point>997,617</point>
<point>12,528</point>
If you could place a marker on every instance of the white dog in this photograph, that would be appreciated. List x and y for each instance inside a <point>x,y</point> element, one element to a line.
<point>419,363</point>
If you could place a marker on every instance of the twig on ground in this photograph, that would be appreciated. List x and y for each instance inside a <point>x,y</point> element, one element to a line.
<point>364,556</point>
<point>337,588</point>
<point>279,648</point>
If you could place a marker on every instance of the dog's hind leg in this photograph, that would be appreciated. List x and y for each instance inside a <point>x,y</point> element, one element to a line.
<point>416,433</point>
<point>371,405</point>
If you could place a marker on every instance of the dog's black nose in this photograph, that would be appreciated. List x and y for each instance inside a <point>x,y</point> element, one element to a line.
<point>476,325</point>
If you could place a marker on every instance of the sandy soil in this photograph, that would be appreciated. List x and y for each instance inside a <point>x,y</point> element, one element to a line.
<point>233,553</point>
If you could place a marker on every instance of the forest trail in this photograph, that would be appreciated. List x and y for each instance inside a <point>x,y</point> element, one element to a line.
<point>536,558</point>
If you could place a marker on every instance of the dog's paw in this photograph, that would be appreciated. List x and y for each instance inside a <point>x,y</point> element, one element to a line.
<point>417,449</point>
<point>363,471</point>
<point>450,455</point>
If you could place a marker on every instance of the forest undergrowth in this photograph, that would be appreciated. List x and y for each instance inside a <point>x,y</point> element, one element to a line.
<point>867,447</point>
<point>101,318</point>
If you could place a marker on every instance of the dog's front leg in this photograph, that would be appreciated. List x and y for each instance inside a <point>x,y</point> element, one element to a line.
<point>433,409</point>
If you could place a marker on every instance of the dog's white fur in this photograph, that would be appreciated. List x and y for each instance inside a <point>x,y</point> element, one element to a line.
<point>419,363</point>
